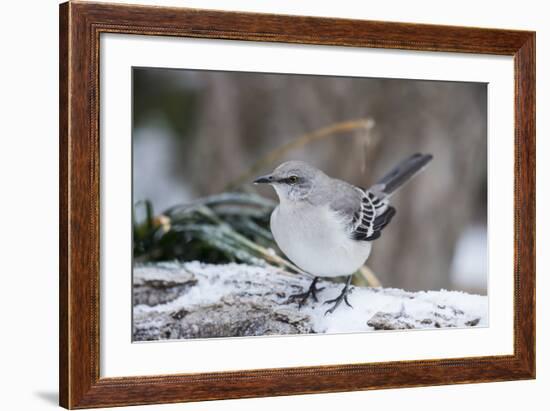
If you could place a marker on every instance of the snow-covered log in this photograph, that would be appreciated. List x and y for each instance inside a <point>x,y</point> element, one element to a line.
<point>195,300</point>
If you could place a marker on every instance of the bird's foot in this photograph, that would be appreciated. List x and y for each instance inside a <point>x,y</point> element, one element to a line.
<point>303,297</point>
<point>342,297</point>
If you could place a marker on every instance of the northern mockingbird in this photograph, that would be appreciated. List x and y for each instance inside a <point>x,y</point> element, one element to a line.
<point>326,226</point>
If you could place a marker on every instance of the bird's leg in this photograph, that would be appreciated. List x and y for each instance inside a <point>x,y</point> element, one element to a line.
<point>342,297</point>
<point>302,297</point>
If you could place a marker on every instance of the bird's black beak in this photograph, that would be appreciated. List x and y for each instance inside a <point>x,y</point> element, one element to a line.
<point>264,180</point>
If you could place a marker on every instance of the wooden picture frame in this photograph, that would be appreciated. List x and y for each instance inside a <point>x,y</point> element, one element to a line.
<point>80,27</point>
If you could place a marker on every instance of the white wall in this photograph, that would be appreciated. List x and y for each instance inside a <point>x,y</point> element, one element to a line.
<point>28,204</point>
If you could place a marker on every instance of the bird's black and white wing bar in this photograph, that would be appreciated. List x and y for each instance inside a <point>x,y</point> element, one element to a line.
<point>371,217</point>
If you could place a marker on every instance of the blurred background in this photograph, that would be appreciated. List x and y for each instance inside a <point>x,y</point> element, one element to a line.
<point>202,133</point>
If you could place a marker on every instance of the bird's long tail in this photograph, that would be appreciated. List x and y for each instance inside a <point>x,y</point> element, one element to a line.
<point>402,173</point>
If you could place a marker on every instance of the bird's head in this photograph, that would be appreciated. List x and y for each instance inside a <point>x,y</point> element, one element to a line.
<point>292,180</point>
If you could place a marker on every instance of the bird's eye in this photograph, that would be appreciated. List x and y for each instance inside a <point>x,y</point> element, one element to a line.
<point>293,179</point>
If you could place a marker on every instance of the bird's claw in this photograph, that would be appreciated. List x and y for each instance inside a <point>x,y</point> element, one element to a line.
<point>347,302</point>
<point>302,297</point>
<point>342,297</point>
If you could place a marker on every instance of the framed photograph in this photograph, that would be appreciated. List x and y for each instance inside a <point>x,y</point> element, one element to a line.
<point>259,205</point>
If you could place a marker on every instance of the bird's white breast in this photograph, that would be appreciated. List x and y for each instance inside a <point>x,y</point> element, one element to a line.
<point>316,240</point>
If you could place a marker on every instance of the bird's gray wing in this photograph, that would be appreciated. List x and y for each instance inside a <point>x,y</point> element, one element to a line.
<point>364,212</point>
<point>345,200</point>
<point>375,215</point>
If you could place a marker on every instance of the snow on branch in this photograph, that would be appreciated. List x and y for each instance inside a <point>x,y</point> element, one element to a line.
<point>196,300</point>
